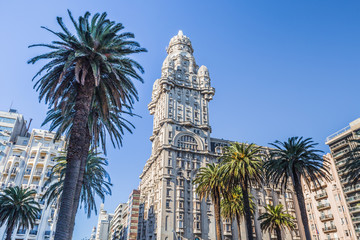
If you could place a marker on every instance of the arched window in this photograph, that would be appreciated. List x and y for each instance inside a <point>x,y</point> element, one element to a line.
<point>187,142</point>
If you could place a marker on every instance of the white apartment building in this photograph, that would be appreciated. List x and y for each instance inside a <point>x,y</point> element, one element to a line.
<point>328,213</point>
<point>28,163</point>
<point>103,226</point>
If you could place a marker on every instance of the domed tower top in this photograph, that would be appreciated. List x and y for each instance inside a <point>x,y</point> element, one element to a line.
<point>180,42</point>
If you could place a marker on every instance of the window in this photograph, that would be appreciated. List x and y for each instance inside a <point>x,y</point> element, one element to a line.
<point>9,129</point>
<point>168,204</point>
<point>7,120</point>
<point>187,142</point>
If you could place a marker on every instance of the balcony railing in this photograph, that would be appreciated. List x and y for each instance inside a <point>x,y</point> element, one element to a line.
<point>337,133</point>
<point>331,228</point>
<point>321,195</point>
<point>352,188</point>
<point>354,209</point>
<point>326,217</point>
<point>21,231</point>
<point>353,198</point>
<point>356,219</point>
<point>323,206</point>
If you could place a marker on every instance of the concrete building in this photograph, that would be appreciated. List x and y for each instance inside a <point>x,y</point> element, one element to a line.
<point>27,164</point>
<point>12,125</point>
<point>327,210</point>
<point>118,222</point>
<point>103,226</point>
<point>181,144</point>
<point>341,143</point>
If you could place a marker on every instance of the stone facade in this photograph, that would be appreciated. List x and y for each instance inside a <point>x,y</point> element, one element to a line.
<point>181,144</point>
<point>28,164</point>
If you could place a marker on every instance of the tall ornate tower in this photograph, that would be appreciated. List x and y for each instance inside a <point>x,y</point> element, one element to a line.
<point>180,146</point>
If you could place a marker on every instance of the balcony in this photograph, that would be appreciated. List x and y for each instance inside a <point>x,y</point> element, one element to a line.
<point>353,199</point>
<point>326,217</point>
<point>354,209</point>
<point>341,153</point>
<point>338,145</point>
<point>21,232</point>
<point>329,229</point>
<point>323,206</point>
<point>356,220</point>
<point>352,188</point>
<point>318,186</point>
<point>33,232</point>
<point>321,196</point>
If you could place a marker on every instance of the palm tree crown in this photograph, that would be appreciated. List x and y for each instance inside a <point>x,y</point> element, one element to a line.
<point>18,208</point>
<point>96,181</point>
<point>209,181</point>
<point>242,165</point>
<point>87,83</point>
<point>297,160</point>
<point>276,219</point>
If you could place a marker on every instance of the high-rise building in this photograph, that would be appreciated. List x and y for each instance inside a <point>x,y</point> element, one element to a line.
<point>117,222</point>
<point>103,226</point>
<point>27,164</point>
<point>341,144</point>
<point>181,144</point>
<point>327,210</point>
<point>12,125</point>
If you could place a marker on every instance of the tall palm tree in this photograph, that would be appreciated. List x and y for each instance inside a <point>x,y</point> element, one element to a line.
<point>96,181</point>
<point>89,68</point>
<point>243,167</point>
<point>297,159</point>
<point>115,125</point>
<point>18,208</point>
<point>209,181</point>
<point>232,206</point>
<point>276,219</point>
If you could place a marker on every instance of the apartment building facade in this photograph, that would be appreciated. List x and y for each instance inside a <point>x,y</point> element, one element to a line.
<point>103,226</point>
<point>328,214</point>
<point>341,144</point>
<point>28,164</point>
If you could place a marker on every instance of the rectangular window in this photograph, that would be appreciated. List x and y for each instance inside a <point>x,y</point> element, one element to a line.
<point>7,120</point>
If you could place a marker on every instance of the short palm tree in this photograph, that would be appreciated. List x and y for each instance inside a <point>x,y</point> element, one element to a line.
<point>18,208</point>
<point>243,167</point>
<point>209,183</point>
<point>89,69</point>
<point>294,160</point>
<point>276,219</point>
<point>96,181</point>
<point>232,206</point>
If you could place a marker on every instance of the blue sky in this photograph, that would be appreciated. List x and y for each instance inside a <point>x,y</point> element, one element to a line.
<point>280,68</point>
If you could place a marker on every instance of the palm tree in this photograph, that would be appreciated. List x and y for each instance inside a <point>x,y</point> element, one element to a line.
<point>210,184</point>
<point>96,181</point>
<point>352,165</point>
<point>84,70</point>
<point>294,160</point>
<point>276,219</point>
<point>18,208</point>
<point>243,167</point>
<point>232,206</point>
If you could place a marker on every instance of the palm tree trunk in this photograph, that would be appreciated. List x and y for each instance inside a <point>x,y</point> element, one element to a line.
<point>9,230</point>
<point>238,225</point>
<point>247,211</point>
<point>301,203</point>
<point>77,195</point>
<point>278,233</point>
<point>77,152</point>
<point>217,215</point>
